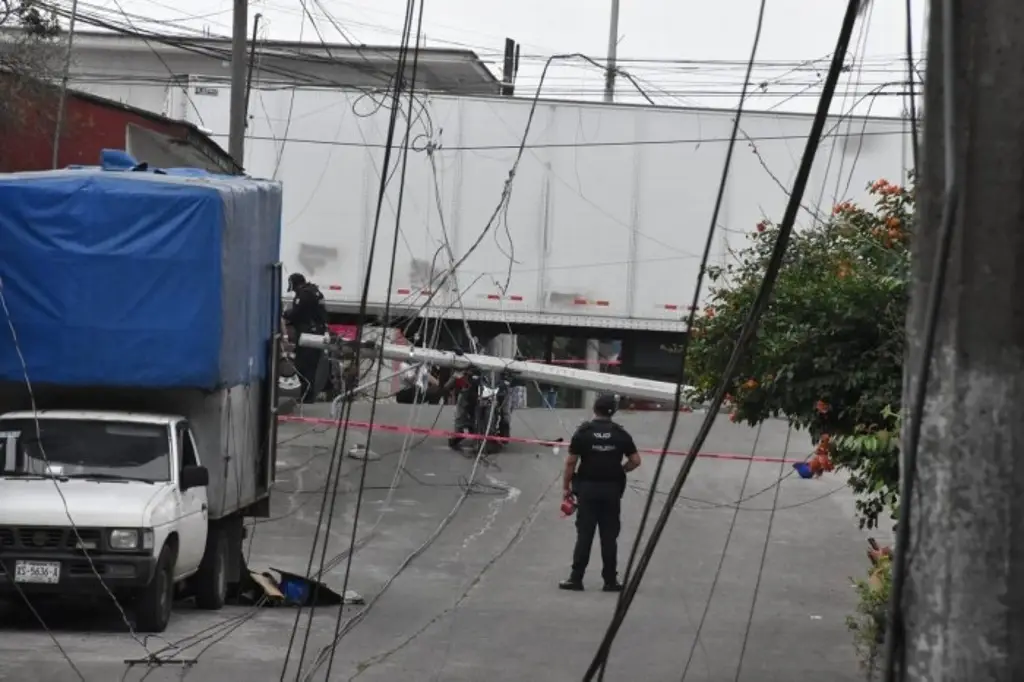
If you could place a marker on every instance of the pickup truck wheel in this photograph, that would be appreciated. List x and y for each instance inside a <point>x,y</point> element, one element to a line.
<point>154,603</point>
<point>212,577</point>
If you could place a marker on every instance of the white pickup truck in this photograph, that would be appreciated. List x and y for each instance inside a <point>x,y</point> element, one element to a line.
<point>97,502</point>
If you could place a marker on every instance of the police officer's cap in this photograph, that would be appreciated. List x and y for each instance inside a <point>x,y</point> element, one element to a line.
<point>606,404</point>
<point>295,280</point>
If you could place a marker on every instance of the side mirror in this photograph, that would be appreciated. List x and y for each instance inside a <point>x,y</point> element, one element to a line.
<point>193,477</point>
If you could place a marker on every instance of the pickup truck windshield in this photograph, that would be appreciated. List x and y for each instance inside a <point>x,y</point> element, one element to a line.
<point>80,448</point>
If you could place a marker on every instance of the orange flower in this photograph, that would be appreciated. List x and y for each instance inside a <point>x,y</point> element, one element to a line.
<point>844,207</point>
<point>885,188</point>
<point>750,384</point>
<point>892,222</point>
<point>822,407</point>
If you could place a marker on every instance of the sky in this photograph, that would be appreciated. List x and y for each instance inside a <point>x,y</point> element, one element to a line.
<point>681,53</point>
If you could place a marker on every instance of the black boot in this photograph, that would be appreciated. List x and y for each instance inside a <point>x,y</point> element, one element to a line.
<point>612,584</point>
<point>573,584</point>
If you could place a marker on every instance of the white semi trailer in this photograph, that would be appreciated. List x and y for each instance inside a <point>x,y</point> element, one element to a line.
<point>608,210</point>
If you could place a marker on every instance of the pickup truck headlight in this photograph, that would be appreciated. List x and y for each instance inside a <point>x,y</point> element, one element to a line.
<point>122,538</point>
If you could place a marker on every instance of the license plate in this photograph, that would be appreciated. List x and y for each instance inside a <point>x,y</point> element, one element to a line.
<point>43,572</point>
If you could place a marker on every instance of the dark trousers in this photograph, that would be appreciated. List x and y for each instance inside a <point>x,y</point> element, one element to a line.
<point>307,362</point>
<point>598,509</point>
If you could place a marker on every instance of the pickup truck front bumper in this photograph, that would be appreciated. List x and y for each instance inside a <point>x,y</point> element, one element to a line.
<point>74,574</point>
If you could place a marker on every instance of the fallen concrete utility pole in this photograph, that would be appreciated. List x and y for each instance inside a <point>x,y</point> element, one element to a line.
<point>531,371</point>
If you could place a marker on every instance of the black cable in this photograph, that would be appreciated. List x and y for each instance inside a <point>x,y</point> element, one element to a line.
<point>912,97</point>
<point>39,619</point>
<point>746,333</point>
<point>342,430</point>
<point>722,556</point>
<point>894,666</point>
<point>611,143</point>
<point>391,279</point>
<point>760,568</point>
<point>708,505</point>
<point>681,372</point>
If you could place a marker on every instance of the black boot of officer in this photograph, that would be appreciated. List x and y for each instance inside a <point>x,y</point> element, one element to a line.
<point>600,454</point>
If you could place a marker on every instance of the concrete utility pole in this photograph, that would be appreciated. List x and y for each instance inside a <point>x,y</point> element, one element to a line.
<point>963,607</point>
<point>613,50</point>
<point>593,353</point>
<point>236,132</point>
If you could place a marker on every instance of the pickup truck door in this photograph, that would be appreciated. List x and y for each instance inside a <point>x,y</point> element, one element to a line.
<point>193,505</point>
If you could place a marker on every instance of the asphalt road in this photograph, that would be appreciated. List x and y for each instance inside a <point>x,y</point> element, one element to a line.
<point>480,603</point>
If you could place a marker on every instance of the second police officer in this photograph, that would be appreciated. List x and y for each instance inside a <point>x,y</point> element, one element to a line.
<point>601,453</point>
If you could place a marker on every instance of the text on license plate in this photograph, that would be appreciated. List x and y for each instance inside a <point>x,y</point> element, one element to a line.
<point>45,572</point>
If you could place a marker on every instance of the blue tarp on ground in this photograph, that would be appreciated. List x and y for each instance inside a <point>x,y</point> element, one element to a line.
<point>138,279</point>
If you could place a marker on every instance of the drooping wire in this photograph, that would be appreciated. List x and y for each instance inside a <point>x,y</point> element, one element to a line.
<point>34,405</point>
<point>387,304</point>
<point>911,80</point>
<point>760,567</point>
<point>894,660</point>
<point>725,551</point>
<point>39,619</point>
<point>681,373</point>
<point>746,333</point>
<point>342,429</point>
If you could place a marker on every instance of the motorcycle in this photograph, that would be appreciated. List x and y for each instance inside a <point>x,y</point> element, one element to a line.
<point>484,408</point>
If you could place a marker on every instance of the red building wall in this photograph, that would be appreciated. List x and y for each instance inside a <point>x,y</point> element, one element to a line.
<point>90,126</point>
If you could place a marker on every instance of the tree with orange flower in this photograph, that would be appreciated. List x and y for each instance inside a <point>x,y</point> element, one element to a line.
<point>828,356</point>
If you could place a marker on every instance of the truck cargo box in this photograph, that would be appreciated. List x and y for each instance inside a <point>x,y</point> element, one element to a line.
<point>138,279</point>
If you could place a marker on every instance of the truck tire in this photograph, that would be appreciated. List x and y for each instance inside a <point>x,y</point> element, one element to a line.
<point>153,604</point>
<point>212,577</point>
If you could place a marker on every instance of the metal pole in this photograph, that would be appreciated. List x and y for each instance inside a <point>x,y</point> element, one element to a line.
<point>65,76</point>
<point>236,133</point>
<point>593,345</point>
<point>962,615</point>
<point>613,49</point>
<point>252,64</point>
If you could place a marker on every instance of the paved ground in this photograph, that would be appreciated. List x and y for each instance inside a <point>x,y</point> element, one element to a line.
<point>480,604</point>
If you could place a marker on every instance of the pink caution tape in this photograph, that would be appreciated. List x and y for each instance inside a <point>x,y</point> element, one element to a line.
<point>441,433</point>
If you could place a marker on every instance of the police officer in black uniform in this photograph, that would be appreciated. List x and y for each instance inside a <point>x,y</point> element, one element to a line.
<point>307,315</point>
<point>605,452</point>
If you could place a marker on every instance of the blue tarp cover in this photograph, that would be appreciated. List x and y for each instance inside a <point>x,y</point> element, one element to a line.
<point>137,279</point>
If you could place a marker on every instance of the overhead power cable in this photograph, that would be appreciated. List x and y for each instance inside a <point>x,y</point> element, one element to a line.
<point>681,374</point>
<point>396,103</point>
<point>334,468</point>
<point>745,336</point>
